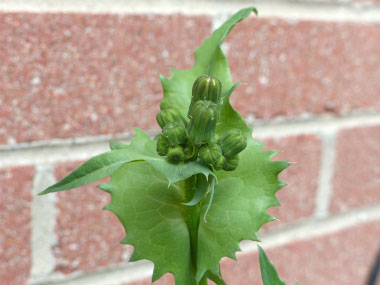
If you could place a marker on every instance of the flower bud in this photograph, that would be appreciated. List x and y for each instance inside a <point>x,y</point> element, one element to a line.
<point>175,133</point>
<point>232,142</point>
<point>190,151</point>
<point>175,154</point>
<point>203,123</point>
<point>231,163</point>
<point>210,153</point>
<point>169,115</point>
<point>219,164</point>
<point>162,145</point>
<point>205,88</point>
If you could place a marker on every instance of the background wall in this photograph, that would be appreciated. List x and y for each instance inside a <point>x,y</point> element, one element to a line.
<point>74,74</point>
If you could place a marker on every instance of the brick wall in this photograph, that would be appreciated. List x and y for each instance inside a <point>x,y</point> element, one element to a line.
<point>71,81</point>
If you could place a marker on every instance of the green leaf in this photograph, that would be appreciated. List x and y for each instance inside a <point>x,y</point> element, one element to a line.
<point>92,170</point>
<point>216,277</point>
<point>200,190</point>
<point>239,206</point>
<point>117,145</point>
<point>268,272</point>
<point>153,217</point>
<point>142,148</point>
<point>209,60</point>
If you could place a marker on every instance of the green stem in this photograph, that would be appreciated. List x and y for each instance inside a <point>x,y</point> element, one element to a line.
<point>192,220</point>
<point>203,281</point>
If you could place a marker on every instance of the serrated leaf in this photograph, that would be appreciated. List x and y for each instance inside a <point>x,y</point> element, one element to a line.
<point>142,148</point>
<point>209,60</point>
<point>154,219</point>
<point>239,206</point>
<point>268,272</point>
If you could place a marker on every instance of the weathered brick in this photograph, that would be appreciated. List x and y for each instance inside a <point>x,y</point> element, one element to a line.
<point>356,180</point>
<point>293,68</point>
<point>344,257</point>
<point>15,218</point>
<point>88,238</point>
<point>69,75</point>
<point>298,197</point>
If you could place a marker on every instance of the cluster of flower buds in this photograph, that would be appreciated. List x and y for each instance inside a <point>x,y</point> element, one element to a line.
<point>182,142</point>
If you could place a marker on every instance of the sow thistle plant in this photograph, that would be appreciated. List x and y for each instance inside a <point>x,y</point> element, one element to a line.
<point>188,197</point>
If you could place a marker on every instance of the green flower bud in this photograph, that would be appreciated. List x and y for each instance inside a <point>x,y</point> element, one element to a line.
<point>219,164</point>
<point>175,154</point>
<point>162,145</point>
<point>205,88</point>
<point>215,139</point>
<point>210,153</point>
<point>169,115</point>
<point>175,133</point>
<point>203,123</point>
<point>190,151</point>
<point>232,142</point>
<point>231,163</point>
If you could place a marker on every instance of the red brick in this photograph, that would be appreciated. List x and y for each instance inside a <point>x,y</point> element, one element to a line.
<point>356,180</point>
<point>293,68</point>
<point>344,257</point>
<point>70,75</point>
<point>298,197</point>
<point>88,238</point>
<point>15,218</point>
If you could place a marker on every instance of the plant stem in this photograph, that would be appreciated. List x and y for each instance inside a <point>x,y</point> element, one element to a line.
<point>192,220</point>
<point>203,281</point>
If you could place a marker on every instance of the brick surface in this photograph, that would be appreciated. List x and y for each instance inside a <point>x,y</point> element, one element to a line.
<point>344,257</point>
<point>88,238</point>
<point>15,211</point>
<point>356,181</point>
<point>298,68</point>
<point>298,197</point>
<point>64,75</point>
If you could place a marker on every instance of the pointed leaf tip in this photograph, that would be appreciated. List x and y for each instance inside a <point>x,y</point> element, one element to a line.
<point>268,272</point>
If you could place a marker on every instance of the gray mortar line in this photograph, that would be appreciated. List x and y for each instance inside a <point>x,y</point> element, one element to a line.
<point>302,230</point>
<point>313,228</point>
<point>44,212</point>
<point>326,174</point>
<point>325,11</point>
<point>113,275</point>
<point>280,127</point>
<point>81,148</point>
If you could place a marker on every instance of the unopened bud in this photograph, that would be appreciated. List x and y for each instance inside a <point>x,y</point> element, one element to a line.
<point>175,154</point>
<point>162,145</point>
<point>175,133</point>
<point>231,163</point>
<point>203,122</point>
<point>232,142</point>
<point>169,115</point>
<point>210,154</point>
<point>205,88</point>
<point>219,164</point>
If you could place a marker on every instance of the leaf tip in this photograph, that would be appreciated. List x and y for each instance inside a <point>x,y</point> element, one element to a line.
<point>42,193</point>
<point>106,186</point>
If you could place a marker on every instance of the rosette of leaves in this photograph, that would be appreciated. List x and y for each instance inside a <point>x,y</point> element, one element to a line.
<point>162,206</point>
